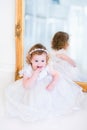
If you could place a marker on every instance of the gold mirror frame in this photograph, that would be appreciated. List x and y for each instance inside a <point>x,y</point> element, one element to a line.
<point>19,33</point>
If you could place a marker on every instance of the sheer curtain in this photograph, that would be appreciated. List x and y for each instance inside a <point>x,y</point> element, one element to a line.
<point>77,28</point>
<point>43,18</point>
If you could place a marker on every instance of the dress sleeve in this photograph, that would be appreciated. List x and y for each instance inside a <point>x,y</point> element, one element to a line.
<point>49,67</point>
<point>27,71</point>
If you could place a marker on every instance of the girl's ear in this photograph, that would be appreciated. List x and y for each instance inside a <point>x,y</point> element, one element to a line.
<point>47,58</point>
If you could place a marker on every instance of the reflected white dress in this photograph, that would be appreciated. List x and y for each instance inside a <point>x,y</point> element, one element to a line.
<point>36,103</point>
<point>65,68</point>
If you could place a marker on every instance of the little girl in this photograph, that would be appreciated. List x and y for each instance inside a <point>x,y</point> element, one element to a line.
<point>42,93</point>
<point>62,62</point>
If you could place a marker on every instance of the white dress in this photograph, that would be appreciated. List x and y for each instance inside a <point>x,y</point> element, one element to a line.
<point>36,103</point>
<point>65,68</point>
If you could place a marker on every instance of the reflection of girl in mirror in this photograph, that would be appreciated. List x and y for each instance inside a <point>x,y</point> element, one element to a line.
<point>62,61</point>
<point>42,93</point>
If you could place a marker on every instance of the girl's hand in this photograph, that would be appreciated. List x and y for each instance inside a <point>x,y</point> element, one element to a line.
<point>50,88</point>
<point>37,71</point>
<point>73,64</point>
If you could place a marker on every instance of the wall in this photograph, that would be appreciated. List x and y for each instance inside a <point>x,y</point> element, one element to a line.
<point>7,42</point>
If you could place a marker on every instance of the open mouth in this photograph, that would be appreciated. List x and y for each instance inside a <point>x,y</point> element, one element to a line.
<point>39,66</point>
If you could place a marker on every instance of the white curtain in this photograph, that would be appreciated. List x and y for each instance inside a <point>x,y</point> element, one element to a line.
<point>77,28</point>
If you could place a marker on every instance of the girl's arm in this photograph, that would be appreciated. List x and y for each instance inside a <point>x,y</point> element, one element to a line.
<point>30,81</point>
<point>67,59</point>
<point>54,81</point>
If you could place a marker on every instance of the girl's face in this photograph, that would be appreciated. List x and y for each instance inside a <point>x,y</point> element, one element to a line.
<point>38,61</point>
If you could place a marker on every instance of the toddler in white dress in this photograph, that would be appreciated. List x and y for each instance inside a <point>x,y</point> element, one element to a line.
<point>61,60</point>
<point>42,93</point>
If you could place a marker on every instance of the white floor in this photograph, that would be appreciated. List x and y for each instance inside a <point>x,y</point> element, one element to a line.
<point>74,121</point>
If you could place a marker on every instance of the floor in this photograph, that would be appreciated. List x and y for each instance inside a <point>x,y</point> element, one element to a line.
<point>74,121</point>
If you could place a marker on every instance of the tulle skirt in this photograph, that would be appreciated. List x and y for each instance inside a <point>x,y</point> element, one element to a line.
<point>36,103</point>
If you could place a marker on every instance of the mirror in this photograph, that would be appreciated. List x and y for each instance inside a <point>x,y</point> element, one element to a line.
<point>38,21</point>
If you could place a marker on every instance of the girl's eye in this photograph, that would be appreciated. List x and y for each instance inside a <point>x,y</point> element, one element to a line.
<point>42,60</point>
<point>36,60</point>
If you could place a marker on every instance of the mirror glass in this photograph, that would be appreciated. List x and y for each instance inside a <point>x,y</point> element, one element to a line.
<point>43,18</point>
